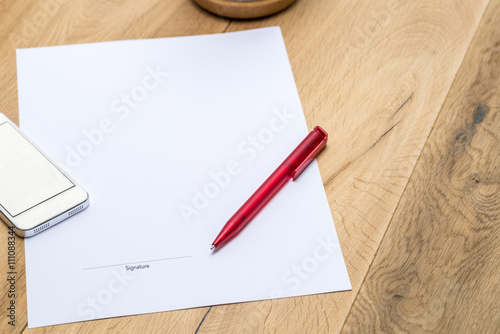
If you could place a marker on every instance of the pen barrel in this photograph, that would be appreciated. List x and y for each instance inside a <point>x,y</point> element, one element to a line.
<point>258,199</point>
<point>290,168</point>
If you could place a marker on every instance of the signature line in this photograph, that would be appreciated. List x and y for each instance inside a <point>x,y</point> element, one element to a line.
<point>122,264</point>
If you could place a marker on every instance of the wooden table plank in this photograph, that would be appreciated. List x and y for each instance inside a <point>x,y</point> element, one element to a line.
<point>438,267</point>
<point>374,74</point>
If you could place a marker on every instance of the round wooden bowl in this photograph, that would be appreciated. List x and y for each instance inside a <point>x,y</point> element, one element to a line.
<point>248,9</point>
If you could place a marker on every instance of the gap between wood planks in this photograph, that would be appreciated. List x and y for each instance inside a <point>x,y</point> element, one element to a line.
<point>416,162</point>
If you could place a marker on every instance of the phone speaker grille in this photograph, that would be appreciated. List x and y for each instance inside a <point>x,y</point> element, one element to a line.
<point>41,228</point>
<point>75,210</point>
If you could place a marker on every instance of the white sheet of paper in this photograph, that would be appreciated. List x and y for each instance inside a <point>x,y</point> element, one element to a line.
<point>169,137</point>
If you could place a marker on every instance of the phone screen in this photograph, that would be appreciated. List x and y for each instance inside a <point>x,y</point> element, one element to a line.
<point>27,178</point>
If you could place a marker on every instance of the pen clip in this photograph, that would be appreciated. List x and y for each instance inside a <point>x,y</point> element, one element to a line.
<point>323,137</point>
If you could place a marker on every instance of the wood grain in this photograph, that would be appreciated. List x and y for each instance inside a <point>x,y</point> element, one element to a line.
<point>375,75</point>
<point>438,267</point>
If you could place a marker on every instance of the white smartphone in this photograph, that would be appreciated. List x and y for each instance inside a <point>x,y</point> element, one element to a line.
<point>34,193</point>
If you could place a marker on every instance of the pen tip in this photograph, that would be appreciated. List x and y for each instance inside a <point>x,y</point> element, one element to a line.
<point>213,247</point>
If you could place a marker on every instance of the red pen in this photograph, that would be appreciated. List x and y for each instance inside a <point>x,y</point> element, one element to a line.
<point>291,168</point>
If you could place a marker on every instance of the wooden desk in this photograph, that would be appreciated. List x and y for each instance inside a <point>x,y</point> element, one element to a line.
<point>409,92</point>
